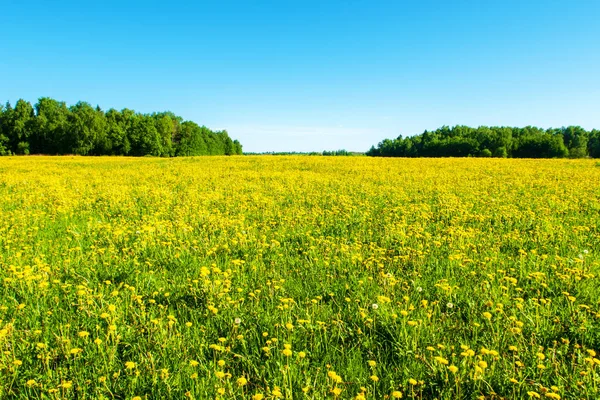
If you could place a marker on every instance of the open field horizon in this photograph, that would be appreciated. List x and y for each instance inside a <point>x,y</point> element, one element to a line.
<point>298,277</point>
<point>300,200</point>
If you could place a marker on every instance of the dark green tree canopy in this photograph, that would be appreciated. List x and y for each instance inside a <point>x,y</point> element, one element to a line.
<point>464,141</point>
<point>50,127</point>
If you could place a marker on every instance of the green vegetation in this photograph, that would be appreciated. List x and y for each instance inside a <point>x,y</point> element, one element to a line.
<point>341,152</point>
<point>463,141</point>
<point>50,127</point>
<point>267,278</point>
<point>337,153</point>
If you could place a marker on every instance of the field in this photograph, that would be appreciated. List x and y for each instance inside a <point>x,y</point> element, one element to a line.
<point>299,277</point>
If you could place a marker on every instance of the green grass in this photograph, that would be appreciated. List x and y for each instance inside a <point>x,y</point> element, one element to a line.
<point>176,264</point>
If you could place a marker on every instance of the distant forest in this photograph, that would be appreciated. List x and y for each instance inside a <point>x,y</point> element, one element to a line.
<point>464,141</point>
<point>50,127</point>
<point>341,152</point>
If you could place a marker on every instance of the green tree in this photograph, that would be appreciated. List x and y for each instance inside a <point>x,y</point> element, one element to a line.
<point>4,141</point>
<point>53,128</point>
<point>541,146</point>
<point>463,141</point>
<point>189,140</point>
<point>576,140</point>
<point>118,124</point>
<point>86,130</point>
<point>237,148</point>
<point>229,149</point>
<point>50,133</point>
<point>144,137</point>
<point>20,127</point>
<point>167,125</point>
<point>594,144</point>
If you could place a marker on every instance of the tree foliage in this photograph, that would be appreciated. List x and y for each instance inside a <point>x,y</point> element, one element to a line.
<point>341,152</point>
<point>464,141</point>
<point>50,127</point>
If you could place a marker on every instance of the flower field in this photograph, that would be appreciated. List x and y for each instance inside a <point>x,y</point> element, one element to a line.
<point>264,277</point>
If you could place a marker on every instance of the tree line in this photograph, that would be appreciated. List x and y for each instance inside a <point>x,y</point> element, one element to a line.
<point>341,152</point>
<point>464,141</point>
<point>50,127</point>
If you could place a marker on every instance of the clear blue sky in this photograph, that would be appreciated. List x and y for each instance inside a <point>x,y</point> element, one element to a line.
<point>312,75</point>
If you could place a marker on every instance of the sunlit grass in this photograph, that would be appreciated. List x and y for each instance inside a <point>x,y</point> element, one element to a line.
<point>299,277</point>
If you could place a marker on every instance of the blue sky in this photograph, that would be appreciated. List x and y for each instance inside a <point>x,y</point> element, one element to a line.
<point>312,75</point>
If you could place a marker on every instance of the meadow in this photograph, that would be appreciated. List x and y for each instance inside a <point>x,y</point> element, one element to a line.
<point>299,278</point>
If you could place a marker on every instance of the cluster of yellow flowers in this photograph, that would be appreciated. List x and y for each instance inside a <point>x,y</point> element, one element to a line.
<point>299,277</point>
